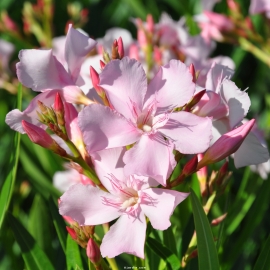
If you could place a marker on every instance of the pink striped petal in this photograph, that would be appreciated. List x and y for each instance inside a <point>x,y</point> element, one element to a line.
<point>238,102</point>
<point>127,235</point>
<point>77,46</point>
<point>40,70</point>
<point>104,128</point>
<point>172,87</point>
<point>151,156</point>
<point>125,83</point>
<point>191,134</point>
<point>85,204</point>
<point>161,207</point>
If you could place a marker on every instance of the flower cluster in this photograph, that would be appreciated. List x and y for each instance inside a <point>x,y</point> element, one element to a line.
<point>125,129</point>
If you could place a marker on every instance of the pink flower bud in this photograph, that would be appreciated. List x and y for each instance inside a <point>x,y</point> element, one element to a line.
<point>222,173</point>
<point>134,52</point>
<point>121,51</point>
<point>150,23</point>
<point>218,220</point>
<point>58,104</point>
<point>95,80</point>
<point>157,55</point>
<point>72,233</point>
<point>142,38</point>
<point>196,99</point>
<point>93,251</point>
<point>59,110</point>
<point>38,135</point>
<point>102,64</point>
<point>226,145</point>
<point>68,219</point>
<point>191,166</point>
<point>193,72</point>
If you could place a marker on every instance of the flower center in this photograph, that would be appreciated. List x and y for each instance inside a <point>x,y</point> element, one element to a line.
<point>129,202</point>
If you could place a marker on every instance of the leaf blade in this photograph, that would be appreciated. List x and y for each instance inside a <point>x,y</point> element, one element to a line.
<point>207,253</point>
<point>33,256</point>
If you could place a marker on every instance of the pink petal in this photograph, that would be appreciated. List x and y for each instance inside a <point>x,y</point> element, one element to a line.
<point>172,87</point>
<point>251,152</point>
<point>85,204</point>
<point>107,162</point>
<point>127,235</point>
<point>191,134</point>
<point>77,47</point>
<point>15,117</point>
<point>216,75</point>
<point>40,70</point>
<point>151,156</point>
<point>125,83</point>
<point>238,102</point>
<point>104,128</point>
<point>161,206</point>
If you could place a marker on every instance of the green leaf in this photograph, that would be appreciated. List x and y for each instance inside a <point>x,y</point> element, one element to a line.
<point>37,177</point>
<point>32,254</point>
<point>7,189</point>
<point>59,224</point>
<point>74,261</point>
<point>207,253</point>
<point>171,259</point>
<point>169,240</point>
<point>263,261</point>
<point>40,224</point>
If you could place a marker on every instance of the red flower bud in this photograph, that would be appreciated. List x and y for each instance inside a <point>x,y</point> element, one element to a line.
<point>121,51</point>
<point>72,233</point>
<point>93,251</point>
<point>191,166</point>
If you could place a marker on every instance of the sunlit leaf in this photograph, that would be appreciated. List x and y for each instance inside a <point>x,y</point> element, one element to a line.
<point>73,257</point>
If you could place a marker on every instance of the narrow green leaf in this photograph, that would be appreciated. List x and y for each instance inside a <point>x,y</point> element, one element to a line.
<point>59,224</point>
<point>32,254</point>
<point>169,240</point>
<point>138,8</point>
<point>74,261</point>
<point>171,259</point>
<point>37,177</point>
<point>40,225</point>
<point>207,253</point>
<point>7,189</point>
<point>263,261</point>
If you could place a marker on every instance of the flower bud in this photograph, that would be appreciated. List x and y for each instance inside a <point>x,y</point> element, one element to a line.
<point>157,55</point>
<point>93,251</point>
<point>222,173</point>
<point>195,100</point>
<point>191,166</point>
<point>72,233</point>
<point>121,51</point>
<point>59,110</point>
<point>218,220</point>
<point>226,145</point>
<point>95,81</point>
<point>38,135</point>
<point>115,54</point>
<point>150,23</point>
<point>193,72</point>
<point>102,64</point>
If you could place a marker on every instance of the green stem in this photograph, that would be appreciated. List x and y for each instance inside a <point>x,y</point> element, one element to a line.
<point>248,46</point>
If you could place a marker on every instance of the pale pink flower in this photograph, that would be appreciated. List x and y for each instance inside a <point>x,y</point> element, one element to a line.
<point>129,198</point>
<point>6,50</point>
<point>145,115</point>
<point>260,6</point>
<point>62,180</point>
<point>213,25</point>
<point>41,71</point>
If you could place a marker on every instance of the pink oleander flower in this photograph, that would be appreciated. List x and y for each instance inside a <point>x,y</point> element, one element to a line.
<point>225,94</point>
<point>260,6</point>
<point>6,50</point>
<point>62,180</point>
<point>129,198</point>
<point>226,145</point>
<point>41,71</point>
<point>145,115</point>
<point>213,25</point>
